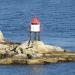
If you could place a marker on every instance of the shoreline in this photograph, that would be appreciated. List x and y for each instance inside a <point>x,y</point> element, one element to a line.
<point>65,57</point>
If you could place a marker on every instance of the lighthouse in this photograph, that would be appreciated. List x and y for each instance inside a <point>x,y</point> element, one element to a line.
<point>35,29</point>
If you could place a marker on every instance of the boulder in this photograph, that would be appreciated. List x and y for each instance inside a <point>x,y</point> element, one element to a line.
<point>1,37</point>
<point>33,47</point>
<point>54,48</point>
<point>4,48</point>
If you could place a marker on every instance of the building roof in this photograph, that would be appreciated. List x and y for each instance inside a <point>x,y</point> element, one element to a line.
<point>35,21</point>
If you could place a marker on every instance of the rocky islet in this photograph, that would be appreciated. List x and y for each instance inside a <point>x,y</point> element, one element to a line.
<point>32,52</point>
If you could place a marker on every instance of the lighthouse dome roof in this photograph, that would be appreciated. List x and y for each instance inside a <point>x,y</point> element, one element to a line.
<point>35,20</point>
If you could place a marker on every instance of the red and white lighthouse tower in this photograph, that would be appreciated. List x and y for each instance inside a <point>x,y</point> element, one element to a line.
<point>35,28</point>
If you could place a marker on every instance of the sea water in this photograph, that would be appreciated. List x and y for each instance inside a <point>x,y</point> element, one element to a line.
<point>57,19</point>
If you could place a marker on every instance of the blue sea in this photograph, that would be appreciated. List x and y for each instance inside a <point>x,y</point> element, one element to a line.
<point>57,19</point>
